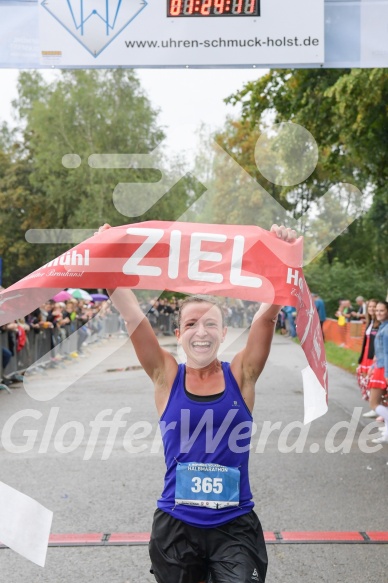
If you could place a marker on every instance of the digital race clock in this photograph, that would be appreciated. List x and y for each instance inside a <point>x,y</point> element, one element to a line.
<point>213,7</point>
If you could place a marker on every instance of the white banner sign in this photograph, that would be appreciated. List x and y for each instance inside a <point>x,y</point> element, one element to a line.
<point>24,524</point>
<point>157,33</point>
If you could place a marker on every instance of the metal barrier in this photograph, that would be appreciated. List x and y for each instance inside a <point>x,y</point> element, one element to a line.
<point>166,324</point>
<point>46,345</point>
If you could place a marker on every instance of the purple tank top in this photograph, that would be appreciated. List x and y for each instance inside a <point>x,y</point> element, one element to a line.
<point>213,432</point>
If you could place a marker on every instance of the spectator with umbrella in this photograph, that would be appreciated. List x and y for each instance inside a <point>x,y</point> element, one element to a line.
<point>80,294</point>
<point>99,297</point>
<point>62,296</point>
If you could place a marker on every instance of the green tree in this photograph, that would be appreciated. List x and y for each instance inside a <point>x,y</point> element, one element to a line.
<point>237,192</point>
<point>346,112</point>
<point>20,205</point>
<point>80,114</point>
<point>338,281</point>
<point>85,113</point>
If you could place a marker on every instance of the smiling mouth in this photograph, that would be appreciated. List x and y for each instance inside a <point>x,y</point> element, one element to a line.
<point>198,344</point>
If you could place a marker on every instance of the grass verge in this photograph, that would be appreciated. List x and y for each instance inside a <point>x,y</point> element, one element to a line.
<point>340,356</point>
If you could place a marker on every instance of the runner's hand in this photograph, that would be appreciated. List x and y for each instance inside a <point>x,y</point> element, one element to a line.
<point>103,228</point>
<point>284,233</point>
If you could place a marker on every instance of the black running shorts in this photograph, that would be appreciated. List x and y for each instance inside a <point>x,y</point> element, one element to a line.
<point>232,553</point>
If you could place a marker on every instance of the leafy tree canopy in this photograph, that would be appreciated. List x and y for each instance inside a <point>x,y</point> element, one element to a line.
<point>346,112</point>
<point>84,112</point>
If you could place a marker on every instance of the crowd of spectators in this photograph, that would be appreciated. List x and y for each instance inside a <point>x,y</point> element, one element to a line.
<point>61,319</point>
<point>162,313</point>
<point>64,318</point>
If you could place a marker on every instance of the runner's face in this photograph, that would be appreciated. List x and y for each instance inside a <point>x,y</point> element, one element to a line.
<point>381,312</point>
<point>201,333</point>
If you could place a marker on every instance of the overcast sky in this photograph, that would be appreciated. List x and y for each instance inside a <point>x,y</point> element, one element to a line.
<point>186,98</point>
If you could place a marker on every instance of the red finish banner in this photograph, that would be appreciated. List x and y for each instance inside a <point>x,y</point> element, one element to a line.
<point>243,262</point>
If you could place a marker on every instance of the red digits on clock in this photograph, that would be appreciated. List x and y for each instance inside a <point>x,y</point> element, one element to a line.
<point>205,8</point>
<point>219,6</point>
<point>237,6</point>
<point>249,6</point>
<point>212,7</point>
<point>188,7</point>
<point>175,7</point>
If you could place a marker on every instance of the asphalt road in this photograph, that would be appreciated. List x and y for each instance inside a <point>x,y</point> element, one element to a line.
<point>311,479</point>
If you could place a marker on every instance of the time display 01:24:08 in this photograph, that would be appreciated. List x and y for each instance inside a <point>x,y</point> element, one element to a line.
<point>213,7</point>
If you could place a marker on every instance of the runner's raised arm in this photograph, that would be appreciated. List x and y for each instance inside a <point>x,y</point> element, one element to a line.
<point>152,357</point>
<point>248,364</point>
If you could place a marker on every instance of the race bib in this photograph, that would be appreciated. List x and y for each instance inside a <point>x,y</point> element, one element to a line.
<point>207,485</point>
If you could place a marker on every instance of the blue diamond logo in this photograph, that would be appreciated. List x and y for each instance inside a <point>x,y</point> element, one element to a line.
<point>94,23</point>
